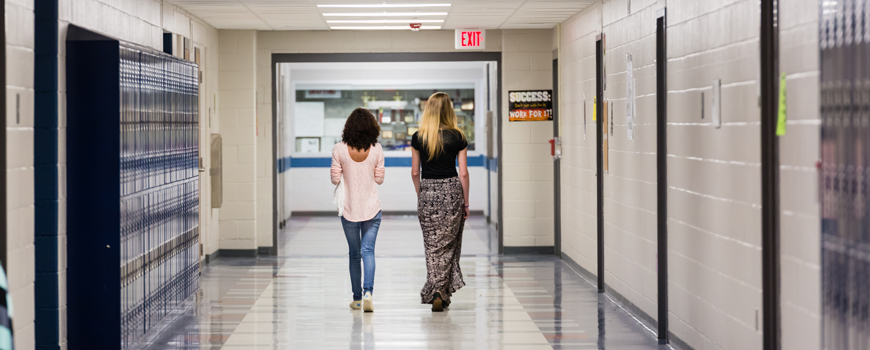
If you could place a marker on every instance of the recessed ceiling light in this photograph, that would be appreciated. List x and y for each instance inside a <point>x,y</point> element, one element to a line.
<point>383,28</point>
<point>385,5</point>
<point>383,14</point>
<point>386,21</point>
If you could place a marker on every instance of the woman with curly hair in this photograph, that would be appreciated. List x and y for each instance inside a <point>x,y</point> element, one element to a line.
<point>442,197</point>
<point>359,161</point>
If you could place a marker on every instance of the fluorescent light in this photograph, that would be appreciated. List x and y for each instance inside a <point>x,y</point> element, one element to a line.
<point>384,14</point>
<point>382,27</point>
<point>385,5</point>
<point>386,21</point>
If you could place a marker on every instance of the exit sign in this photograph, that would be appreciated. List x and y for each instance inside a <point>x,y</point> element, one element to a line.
<point>470,39</point>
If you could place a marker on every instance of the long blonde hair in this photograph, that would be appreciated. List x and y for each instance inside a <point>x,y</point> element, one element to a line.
<point>438,115</point>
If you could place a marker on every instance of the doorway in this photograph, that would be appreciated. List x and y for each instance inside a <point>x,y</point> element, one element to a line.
<point>310,81</point>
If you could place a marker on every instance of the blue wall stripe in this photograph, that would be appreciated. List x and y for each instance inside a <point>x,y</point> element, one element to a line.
<point>45,157</point>
<point>285,164</point>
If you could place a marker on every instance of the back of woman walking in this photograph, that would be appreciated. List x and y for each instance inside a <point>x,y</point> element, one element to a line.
<point>442,197</point>
<point>358,161</point>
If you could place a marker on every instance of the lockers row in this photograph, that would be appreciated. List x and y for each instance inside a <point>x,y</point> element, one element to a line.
<point>159,188</point>
<point>845,173</point>
<point>133,202</point>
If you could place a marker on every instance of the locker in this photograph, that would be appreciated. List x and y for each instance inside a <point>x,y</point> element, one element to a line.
<point>843,180</point>
<point>132,151</point>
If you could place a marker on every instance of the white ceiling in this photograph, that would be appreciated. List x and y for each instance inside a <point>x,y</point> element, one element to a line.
<point>305,15</point>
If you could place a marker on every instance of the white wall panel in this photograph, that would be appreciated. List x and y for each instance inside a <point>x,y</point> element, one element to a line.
<point>714,174</point>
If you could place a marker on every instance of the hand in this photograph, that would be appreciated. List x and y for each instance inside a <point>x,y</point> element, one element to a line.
<point>467,212</point>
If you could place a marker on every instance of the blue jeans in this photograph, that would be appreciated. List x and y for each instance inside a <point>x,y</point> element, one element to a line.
<point>361,238</point>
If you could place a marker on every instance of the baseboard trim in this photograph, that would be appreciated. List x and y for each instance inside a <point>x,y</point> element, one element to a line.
<point>678,344</point>
<point>642,317</point>
<point>579,269</point>
<point>238,253</point>
<point>267,251</point>
<point>528,250</point>
<point>209,258</point>
<point>385,213</point>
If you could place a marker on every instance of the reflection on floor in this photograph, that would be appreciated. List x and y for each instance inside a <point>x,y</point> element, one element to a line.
<point>299,299</point>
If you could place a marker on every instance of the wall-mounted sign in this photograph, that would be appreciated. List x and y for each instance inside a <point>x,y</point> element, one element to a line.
<point>322,93</point>
<point>531,105</point>
<point>470,39</point>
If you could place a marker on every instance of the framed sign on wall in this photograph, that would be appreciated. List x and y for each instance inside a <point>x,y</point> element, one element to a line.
<point>530,105</point>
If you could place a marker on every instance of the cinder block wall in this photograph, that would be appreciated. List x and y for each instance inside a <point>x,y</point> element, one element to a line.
<point>238,220</point>
<point>798,152</point>
<point>577,83</point>
<point>527,64</point>
<point>142,22</point>
<point>19,168</point>
<point>714,216</point>
<point>630,182</point>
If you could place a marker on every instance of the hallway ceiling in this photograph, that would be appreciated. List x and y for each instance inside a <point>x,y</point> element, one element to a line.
<point>306,15</point>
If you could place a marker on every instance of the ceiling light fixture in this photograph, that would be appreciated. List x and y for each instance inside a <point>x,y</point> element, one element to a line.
<point>383,14</point>
<point>386,21</point>
<point>383,28</point>
<point>385,5</point>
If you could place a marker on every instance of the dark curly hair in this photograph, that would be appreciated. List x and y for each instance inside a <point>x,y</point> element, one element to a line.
<point>361,130</point>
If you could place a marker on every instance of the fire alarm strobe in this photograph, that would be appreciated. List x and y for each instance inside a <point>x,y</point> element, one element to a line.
<point>415,26</point>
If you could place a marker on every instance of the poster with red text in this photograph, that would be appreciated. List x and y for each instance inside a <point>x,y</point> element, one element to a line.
<point>530,105</point>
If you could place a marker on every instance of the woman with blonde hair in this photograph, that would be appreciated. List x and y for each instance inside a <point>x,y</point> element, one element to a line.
<point>442,197</point>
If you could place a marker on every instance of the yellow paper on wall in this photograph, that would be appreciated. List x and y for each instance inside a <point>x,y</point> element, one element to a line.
<point>782,116</point>
<point>594,108</point>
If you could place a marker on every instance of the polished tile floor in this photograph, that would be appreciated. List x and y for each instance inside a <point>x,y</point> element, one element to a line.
<point>298,300</point>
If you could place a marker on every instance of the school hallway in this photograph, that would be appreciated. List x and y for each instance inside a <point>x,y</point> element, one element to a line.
<point>298,299</point>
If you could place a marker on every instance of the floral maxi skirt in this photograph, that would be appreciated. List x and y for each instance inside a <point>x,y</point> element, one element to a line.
<point>441,210</point>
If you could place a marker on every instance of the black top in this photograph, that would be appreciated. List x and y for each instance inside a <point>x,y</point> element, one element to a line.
<point>444,164</point>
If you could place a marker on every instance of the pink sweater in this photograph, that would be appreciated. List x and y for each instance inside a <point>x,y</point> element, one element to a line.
<point>361,202</point>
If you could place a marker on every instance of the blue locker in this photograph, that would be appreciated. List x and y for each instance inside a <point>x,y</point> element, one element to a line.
<point>132,152</point>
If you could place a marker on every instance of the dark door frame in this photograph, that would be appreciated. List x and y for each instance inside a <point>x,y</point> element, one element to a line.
<point>770,226</point>
<point>3,245</point>
<point>557,166</point>
<point>599,153</point>
<point>662,172</point>
<point>384,57</point>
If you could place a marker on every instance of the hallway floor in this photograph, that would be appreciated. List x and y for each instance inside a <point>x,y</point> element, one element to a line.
<point>299,299</point>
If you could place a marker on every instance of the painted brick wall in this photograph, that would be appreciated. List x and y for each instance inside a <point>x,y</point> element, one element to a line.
<point>577,76</point>
<point>714,174</point>
<point>527,64</point>
<point>19,167</point>
<point>630,183</point>
<point>238,84</point>
<point>798,153</point>
<point>140,21</point>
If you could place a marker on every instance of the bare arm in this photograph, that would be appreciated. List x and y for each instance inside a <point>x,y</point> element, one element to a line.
<point>415,169</point>
<point>463,177</point>
<point>335,170</point>
<point>379,169</point>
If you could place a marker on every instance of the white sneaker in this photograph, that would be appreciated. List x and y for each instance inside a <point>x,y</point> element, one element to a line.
<point>368,306</point>
<point>356,304</point>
